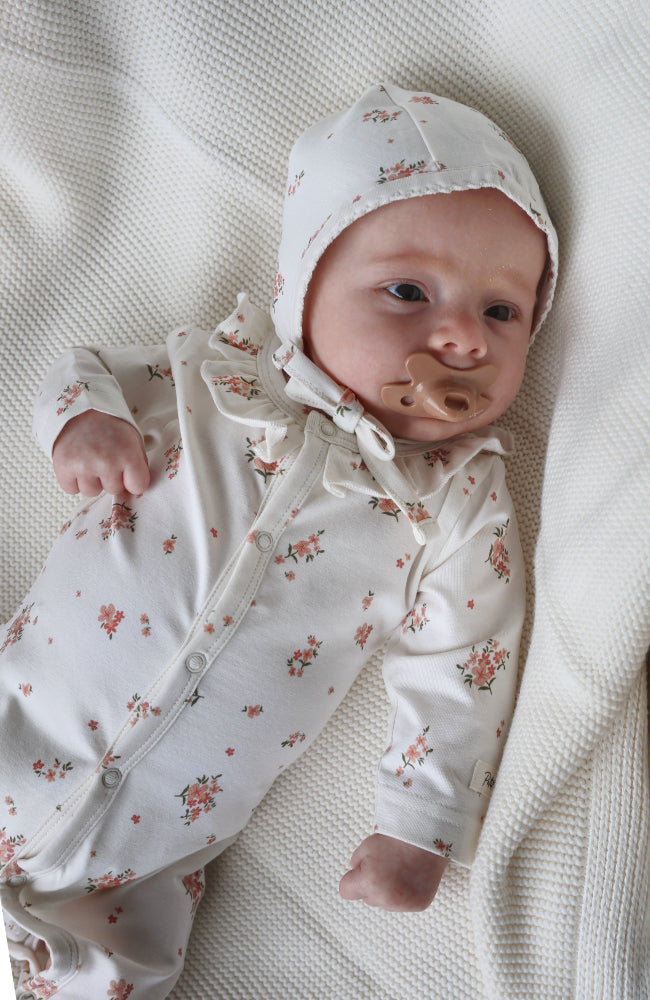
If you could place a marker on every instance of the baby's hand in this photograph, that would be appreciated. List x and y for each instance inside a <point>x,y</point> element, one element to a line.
<point>393,875</point>
<point>96,451</point>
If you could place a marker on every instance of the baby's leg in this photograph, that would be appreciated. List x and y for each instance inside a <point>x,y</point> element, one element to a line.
<point>130,939</point>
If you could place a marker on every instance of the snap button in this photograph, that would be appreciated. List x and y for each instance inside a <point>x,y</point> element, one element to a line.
<point>195,662</point>
<point>327,429</point>
<point>112,777</point>
<point>17,880</point>
<point>26,996</point>
<point>264,541</point>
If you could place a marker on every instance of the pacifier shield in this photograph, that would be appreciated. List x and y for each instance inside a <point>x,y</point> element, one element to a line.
<point>436,390</point>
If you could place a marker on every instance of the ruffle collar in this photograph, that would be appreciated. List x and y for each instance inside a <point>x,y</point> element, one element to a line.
<point>248,385</point>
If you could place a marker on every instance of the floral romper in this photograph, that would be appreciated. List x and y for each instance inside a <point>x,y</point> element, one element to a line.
<point>180,649</point>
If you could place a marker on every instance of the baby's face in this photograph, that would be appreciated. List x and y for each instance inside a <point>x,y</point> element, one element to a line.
<point>454,276</point>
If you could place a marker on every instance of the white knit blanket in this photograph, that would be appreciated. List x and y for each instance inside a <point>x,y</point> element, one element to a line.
<point>142,168</point>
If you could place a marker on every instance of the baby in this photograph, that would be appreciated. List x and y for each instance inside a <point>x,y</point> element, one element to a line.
<point>275,503</point>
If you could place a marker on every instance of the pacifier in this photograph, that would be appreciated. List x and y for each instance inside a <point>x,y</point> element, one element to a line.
<point>436,390</point>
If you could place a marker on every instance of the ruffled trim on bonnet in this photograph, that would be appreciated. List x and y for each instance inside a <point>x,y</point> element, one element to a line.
<point>247,386</point>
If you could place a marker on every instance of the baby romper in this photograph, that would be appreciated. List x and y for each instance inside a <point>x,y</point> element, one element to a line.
<point>180,649</point>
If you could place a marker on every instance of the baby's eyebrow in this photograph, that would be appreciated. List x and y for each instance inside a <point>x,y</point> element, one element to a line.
<point>402,263</point>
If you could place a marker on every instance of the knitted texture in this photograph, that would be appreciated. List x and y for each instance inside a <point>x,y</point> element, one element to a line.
<point>142,168</point>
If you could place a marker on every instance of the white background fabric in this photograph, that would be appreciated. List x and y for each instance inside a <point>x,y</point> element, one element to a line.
<point>142,164</point>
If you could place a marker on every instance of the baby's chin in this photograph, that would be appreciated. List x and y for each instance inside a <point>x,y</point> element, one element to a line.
<point>431,429</point>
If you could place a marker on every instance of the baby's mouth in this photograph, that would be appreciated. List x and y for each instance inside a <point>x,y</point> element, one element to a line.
<point>436,390</point>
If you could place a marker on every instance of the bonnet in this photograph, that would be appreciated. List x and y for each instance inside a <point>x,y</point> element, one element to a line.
<point>390,145</point>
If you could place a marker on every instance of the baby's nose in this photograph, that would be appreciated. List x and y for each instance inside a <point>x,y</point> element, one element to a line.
<point>461,335</point>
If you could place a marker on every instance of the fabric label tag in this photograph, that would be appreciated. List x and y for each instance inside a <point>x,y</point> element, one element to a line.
<point>483,779</point>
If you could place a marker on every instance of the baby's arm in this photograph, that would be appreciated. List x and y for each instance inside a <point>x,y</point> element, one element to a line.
<point>96,451</point>
<point>84,415</point>
<point>392,874</point>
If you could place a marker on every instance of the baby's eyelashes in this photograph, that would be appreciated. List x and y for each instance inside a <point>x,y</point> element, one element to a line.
<point>406,291</point>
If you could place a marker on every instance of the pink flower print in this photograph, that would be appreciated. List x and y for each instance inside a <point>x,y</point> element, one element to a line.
<point>278,286</point>
<point>93,725</point>
<point>367,601</point>
<point>16,628</point>
<point>380,116</point>
<point>242,344</point>
<point>293,187</point>
<point>135,819</point>
<point>173,456</point>
<point>401,170</point>
<point>252,711</point>
<point>306,549</point>
<point>51,773</point>
<point>481,666</point>
<point>199,797</point>
<point>303,657</point>
<point>417,753</point>
<point>385,506</point>
<point>293,739</point>
<point>443,849</point>
<point>238,385</point>
<point>26,689</point>
<point>146,625</point>
<point>169,545</point>
<point>11,804</point>
<point>122,516</point>
<point>228,620</point>
<point>195,887</point>
<point>362,635</point>
<point>416,619</point>
<point>264,469</point>
<point>70,395</point>
<point>8,847</point>
<point>498,555</point>
<point>39,988</point>
<point>493,497</point>
<point>109,618</point>
<point>119,990</point>
<point>140,709</point>
<point>417,512</point>
<point>155,371</point>
<point>423,99</point>
<point>470,605</point>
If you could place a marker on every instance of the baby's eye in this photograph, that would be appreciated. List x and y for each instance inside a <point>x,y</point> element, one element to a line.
<point>500,312</point>
<point>407,292</point>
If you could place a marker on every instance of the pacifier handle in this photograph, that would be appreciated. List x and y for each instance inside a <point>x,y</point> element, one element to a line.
<point>436,390</point>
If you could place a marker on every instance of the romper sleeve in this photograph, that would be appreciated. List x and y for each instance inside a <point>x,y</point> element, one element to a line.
<point>107,380</point>
<point>451,673</point>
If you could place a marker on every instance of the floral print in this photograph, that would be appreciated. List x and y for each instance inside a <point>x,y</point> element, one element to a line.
<point>122,517</point>
<point>140,709</point>
<point>155,371</point>
<point>109,619</point>
<point>498,556</point>
<point>199,797</point>
<point>247,388</point>
<point>417,753</point>
<point>15,632</point>
<point>70,395</point>
<point>303,657</point>
<point>363,634</point>
<point>480,669</point>
<point>195,887</point>
<point>40,988</point>
<point>173,456</point>
<point>51,773</point>
<point>292,740</point>
<point>416,619</point>
<point>385,506</point>
<point>109,880</point>
<point>305,549</point>
<point>119,990</point>
<point>381,116</point>
<point>243,344</point>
